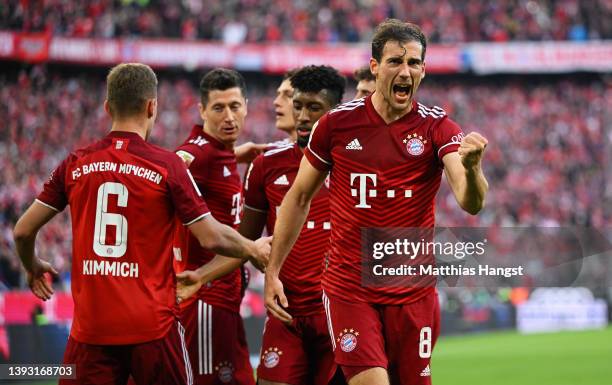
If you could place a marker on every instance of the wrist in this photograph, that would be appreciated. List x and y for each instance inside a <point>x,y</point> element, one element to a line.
<point>473,170</point>
<point>272,271</point>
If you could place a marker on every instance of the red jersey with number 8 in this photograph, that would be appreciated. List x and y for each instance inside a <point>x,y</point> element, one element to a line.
<point>124,195</point>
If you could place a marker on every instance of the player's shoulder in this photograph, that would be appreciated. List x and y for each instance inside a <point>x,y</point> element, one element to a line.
<point>85,151</point>
<point>196,148</point>
<point>354,107</point>
<point>278,152</point>
<point>435,116</point>
<point>277,144</point>
<point>431,113</point>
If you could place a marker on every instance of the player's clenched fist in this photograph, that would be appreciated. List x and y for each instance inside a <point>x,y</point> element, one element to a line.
<point>471,149</point>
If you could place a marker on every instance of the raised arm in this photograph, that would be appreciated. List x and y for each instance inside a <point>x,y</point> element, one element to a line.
<point>25,232</point>
<point>463,171</point>
<point>291,217</point>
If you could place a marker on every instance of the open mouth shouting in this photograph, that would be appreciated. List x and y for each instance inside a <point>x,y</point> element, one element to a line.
<point>401,92</point>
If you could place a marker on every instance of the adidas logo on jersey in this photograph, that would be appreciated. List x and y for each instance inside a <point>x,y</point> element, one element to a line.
<point>282,180</point>
<point>426,372</point>
<point>226,171</point>
<point>354,145</point>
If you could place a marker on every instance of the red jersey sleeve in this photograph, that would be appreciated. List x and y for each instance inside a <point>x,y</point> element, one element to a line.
<point>54,194</point>
<point>318,151</point>
<point>196,164</point>
<point>254,187</point>
<point>446,137</point>
<point>185,195</point>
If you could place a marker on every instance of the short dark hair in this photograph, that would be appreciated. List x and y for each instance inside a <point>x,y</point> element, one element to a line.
<point>317,78</point>
<point>396,30</point>
<point>128,87</point>
<point>363,73</point>
<point>289,74</point>
<point>220,79</point>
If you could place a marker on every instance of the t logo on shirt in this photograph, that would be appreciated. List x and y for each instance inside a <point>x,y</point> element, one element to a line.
<point>363,192</point>
<point>363,181</point>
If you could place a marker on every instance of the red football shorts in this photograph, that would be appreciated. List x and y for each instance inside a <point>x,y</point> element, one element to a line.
<point>399,338</point>
<point>163,361</point>
<point>217,345</point>
<point>297,354</point>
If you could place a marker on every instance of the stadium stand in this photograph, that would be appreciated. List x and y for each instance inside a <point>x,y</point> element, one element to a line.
<point>239,21</point>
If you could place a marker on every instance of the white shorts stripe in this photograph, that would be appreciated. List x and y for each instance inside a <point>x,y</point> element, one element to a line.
<point>330,327</point>
<point>200,353</point>
<point>209,339</point>
<point>188,370</point>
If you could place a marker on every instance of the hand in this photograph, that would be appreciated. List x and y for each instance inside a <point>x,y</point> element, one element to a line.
<point>275,299</point>
<point>261,258</point>
<point>471,149</point>
<point>188,283</point>
<point>245,153</point>
<point>37,279</point>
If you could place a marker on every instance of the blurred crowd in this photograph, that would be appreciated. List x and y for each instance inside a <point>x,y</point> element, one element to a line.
<point>238,21</point>
<point>550,142</point>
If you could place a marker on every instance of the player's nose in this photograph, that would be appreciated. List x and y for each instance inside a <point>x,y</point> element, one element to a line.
<point>404,71</point>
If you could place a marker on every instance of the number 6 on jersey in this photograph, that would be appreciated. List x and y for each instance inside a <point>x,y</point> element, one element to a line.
<point>104,219</point>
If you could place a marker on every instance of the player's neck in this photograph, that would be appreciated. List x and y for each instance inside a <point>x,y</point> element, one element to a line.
<point>228,145</point>
<point>384,109</point>
<point>139,128</point>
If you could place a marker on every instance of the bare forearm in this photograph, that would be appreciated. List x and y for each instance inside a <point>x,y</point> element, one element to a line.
<point>292,214</point>
<point>27,228</point>
<point>474,190</point>
<point>218,267</point>
<point>25,249</point>
<point>230,243</point>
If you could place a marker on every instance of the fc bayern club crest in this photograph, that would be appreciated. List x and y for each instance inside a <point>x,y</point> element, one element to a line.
<point>225,371</point>
<point>415,145</point>
<point>271,357</point>
<point>348,340</point>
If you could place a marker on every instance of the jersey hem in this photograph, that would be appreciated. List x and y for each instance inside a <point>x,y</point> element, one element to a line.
<point>47,205</point>
<point>197,219</point>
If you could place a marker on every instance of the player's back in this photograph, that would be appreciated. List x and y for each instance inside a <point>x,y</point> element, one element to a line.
<point>123,195</point>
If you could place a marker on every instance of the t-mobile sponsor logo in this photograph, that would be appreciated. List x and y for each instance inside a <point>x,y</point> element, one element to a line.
<point>363,182</point>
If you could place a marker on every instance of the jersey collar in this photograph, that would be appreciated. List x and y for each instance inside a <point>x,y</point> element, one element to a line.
<point>379,121</point>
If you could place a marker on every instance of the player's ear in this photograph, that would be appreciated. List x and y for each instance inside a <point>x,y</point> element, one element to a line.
<point>374,66</point>
<point>202,110</point>
<point>107,109</point>
<point>423,72</point>
<point>246,106</point>
<point>151,108</point>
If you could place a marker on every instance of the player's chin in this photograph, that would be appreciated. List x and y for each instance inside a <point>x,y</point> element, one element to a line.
<point>401,104</point>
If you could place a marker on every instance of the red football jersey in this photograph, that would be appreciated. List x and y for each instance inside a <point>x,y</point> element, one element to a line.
<point>382,175</point>
<point>269,179</point>
<point>215,172</point>
<point>124,195</point>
